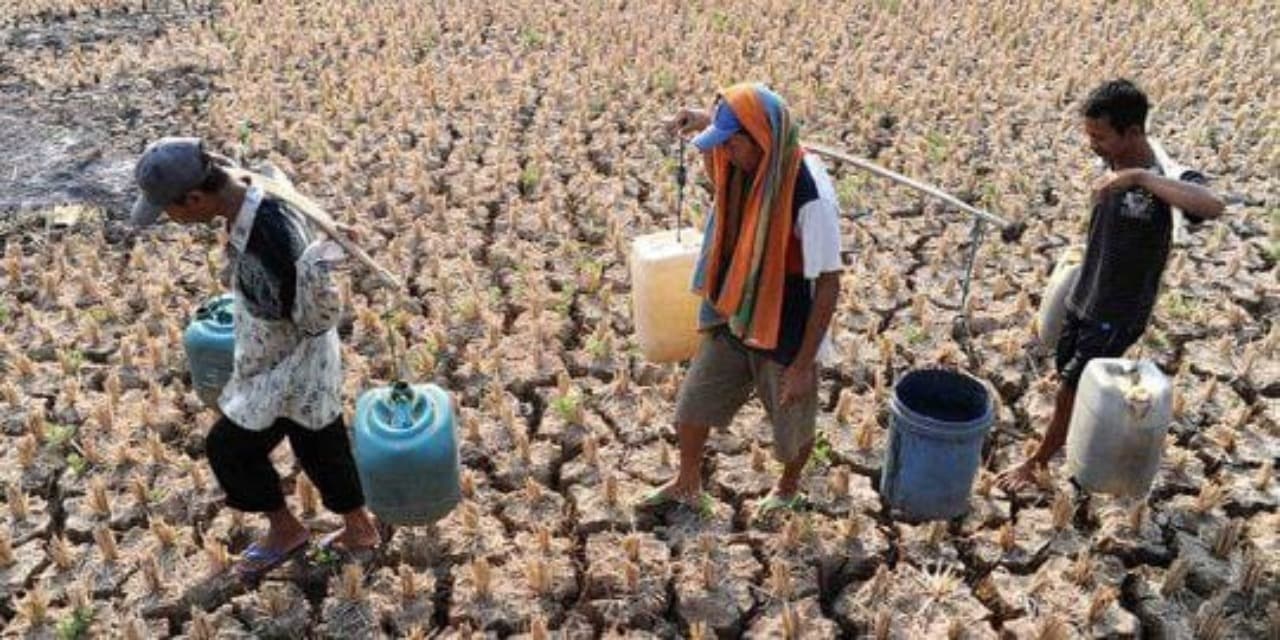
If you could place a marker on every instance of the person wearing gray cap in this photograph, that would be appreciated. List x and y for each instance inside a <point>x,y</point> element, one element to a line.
<point>287,376</point>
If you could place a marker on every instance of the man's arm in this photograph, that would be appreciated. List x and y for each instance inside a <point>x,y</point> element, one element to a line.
<point>801,375</point>
<point>1197,200</point>
<point>826,293</point>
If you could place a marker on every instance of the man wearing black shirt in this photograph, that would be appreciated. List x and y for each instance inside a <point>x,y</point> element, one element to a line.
<point>1128,244</point>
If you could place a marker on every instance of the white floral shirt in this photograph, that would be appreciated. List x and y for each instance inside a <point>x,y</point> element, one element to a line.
<point>287,351</point>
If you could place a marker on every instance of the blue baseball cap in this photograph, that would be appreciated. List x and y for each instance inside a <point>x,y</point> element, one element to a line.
<point>723,125</point>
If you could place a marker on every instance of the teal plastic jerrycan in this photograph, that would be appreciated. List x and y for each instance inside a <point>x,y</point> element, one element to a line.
<point>210,345</point>
<point>406,450</point>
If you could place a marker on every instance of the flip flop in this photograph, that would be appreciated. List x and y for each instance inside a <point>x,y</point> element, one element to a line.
<point>773,503</point>
<point>1014,486</point>
<point>656,500</point>
<point>257,561</point>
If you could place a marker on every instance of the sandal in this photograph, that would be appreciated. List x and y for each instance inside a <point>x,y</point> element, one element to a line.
<point>773,503</point>
<point>656,500</point>
<point>257,561</point>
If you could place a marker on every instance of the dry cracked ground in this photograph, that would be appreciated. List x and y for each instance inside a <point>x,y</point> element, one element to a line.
<point>501,157</point>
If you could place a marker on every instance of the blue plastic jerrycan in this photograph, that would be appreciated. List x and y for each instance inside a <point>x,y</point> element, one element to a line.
<point>210,345</point>
<point>406,451</point>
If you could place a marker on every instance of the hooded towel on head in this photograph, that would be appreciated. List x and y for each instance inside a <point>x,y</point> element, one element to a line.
<point>743,279</point>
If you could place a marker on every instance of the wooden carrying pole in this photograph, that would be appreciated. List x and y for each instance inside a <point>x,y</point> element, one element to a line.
<point>867,165</point>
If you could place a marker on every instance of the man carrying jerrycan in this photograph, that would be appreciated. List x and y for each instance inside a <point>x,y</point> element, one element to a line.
<point>1128,244</point>
<point>769,278</point>
<point>287,375</point>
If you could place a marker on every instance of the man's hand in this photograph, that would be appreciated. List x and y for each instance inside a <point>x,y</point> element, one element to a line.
<point>687,122</point>
<point>798,380</point>
<point>353,233</point>
<point>1116,181</point>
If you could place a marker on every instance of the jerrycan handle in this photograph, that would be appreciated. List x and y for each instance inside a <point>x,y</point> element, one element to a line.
<point>215,310</point>
<point>1131,369</point>
<point>205,311</point>
<point>402,397</point>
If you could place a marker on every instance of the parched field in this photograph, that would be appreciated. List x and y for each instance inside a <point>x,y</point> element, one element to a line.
<point>500,156</point>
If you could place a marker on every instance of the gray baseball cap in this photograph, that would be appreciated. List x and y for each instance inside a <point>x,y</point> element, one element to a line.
<point>168,169</point>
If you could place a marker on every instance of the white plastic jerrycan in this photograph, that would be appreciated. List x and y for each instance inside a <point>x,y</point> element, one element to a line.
<point>1122,412</point>
<point>1053,306</point>
<point>664,308</point>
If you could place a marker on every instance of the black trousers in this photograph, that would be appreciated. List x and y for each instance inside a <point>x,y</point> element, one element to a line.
<point>241,462</point>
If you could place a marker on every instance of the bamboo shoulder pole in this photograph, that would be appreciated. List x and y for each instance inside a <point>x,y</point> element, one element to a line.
<point>867,165</point>
<point>1173,170</point>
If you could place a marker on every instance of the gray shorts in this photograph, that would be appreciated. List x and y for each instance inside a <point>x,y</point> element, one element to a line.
<point>721,379</point>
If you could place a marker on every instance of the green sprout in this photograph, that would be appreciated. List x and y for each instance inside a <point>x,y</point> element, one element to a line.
<point>75,359</point>
<point>1156,339</point>
<point>58,435</point>
<point>565,302</point>
<point>530,37</point>
<point>529,178</point>
<point>720,20</point>
<point>821,456</point>
<point>592,272</point>
<point>596,106</point>
<point>849,187</point>
<point>325,557</point>
<point>599,349</point>
<point>77,463</point>
<point>891,6</point>
<point>937,147</point>
<point>916,335</point>
<point>1178,306</point>
<point>568,407</point>
<point>665,80</point>
<point>76,626</point>
<point>100,314</point>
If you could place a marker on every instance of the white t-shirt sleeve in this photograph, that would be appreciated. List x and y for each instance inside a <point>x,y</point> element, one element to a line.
<point>818,225</point>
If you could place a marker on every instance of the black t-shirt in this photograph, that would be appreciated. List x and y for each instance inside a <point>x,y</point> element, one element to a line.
<point>1128,244</point>
<point>797,294</point>
<point>267,272</point>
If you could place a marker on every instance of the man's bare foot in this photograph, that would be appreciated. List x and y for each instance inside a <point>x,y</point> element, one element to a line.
<point>360,532</point>
<point>786,487</point>
<point>284,537</point>
<point>1021,477</point>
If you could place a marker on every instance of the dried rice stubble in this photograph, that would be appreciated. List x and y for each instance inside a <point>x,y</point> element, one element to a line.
<point>506,598</point>
<point>908,602</point>
<point>715,585</point>
<point>793,620</point>
<point>275,609</point>
<point>628,578</point>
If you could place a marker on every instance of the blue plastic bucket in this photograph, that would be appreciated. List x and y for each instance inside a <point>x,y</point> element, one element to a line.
<point>938,421</point>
